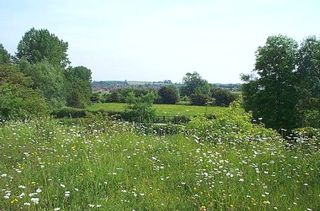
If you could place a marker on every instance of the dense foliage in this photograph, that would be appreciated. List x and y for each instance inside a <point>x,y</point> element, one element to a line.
<point>17,99</point>
<point>78,86</point>
<point>168,95</point>
<point>196,88</point>
<point>5,57</point>
<point>140,108</point>
<point>40,45</point>
<point>222,97</point>
<point>49,80</point>
<point>39,77</point>
<point>280,94</point>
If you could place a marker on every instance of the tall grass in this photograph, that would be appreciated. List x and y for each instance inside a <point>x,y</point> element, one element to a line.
<point>105,165</point>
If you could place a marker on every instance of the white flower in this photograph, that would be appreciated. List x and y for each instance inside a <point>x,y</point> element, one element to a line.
<point>38,190</point>
<point>21,195</point>
<point>56,209</point>
<point>35,200</point>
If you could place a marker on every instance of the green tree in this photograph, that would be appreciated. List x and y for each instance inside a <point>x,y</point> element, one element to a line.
<point>78,86</point>
<point>17,99</point>
<point>5,57</point>
<point>40,45</point>
<point>168,94</point>
<point>196,88</point>
<point>48,79</point>
<point>222,97</point>
<point>140,108</point>
<point>274,96</point>
<point>308,73</point>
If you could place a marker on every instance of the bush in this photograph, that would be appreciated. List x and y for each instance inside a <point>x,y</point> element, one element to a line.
<point>140,108</point>
<point>19,102</point>
<point>17,99</point>
<point>69,112</point>
<point>199,99</point>
<point>168,95</point>
<point>311,118</point>
<point>222,97</point>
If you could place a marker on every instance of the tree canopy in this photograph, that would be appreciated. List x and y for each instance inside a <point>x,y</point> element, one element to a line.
<point>4,55</point>
<point>78,86</point>
<point>40,45</point>
<point>168,94</point>
<point>287,80</point>
<point>196,88</point>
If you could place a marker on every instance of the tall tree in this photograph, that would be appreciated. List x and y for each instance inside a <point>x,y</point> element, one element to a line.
<point>48,79</point>
<point>4,55</point>
<point>308,73</point>
<point>196,88</point>
<point>78,86</point>
<point>309,66</point>
<point>41,45</point>
<point>274,96</point>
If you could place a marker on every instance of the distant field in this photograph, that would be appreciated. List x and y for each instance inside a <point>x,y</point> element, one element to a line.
<point>164,110</point>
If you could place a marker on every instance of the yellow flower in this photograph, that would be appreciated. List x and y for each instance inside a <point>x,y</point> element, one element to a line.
<point>13,201</point>
<point>203,208</point>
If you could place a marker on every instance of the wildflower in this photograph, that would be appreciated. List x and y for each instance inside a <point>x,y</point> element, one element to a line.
<point>266,202</point>
<point>21,195</point>
<point>67,194</point>
<point>35,200</point>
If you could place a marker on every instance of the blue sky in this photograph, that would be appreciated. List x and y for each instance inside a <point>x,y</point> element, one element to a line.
<point>158,40</point>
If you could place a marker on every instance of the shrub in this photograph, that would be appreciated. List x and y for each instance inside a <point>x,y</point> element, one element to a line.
<point>168,95</point>
<point>17,99</point>
<point>222,97</point>
<point>69,112</point>
<point>19,102</point>
<point>140,108</point>
<point>199,99</point>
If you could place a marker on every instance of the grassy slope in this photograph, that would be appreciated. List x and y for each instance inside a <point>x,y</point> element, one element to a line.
<point>104,164</point>
<point>162,109</point>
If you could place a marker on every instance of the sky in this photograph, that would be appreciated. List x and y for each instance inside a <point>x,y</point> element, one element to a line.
<point>149,40</point>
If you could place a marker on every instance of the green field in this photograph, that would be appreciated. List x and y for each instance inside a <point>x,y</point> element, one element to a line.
<point>89,164</point>
<point>163,110</point>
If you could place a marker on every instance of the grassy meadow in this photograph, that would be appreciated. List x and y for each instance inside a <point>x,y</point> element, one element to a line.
<point>162,109</point>
<point>99,164</point>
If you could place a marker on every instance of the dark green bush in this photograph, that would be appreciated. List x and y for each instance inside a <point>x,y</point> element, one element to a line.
<point>222,97</point>
<point>199,99</point>
<point>19,102</point>
<point>69,112</point>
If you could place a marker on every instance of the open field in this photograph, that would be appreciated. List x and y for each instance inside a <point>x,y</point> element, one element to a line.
<point>164,109</point>
<point>46,165</point>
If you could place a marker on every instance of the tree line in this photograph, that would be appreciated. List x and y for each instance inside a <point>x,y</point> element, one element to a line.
<point>195,91</point>
<point>39,79</point>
